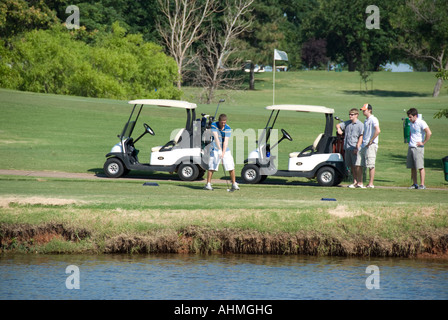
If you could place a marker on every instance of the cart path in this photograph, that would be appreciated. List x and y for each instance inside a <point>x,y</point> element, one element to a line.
<point>73,175</point>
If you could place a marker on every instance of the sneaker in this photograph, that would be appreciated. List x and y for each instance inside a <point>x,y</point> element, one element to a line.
<point>353,186</point>
<point>208,186</point>
<point>235,186</point>
<point>360,186</point>
<point>370,186</point>
<point>421,187</point>
<point>414,186</point>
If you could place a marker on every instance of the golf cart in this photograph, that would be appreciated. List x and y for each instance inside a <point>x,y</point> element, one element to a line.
<point>181,154</point>
<point>315,161</point>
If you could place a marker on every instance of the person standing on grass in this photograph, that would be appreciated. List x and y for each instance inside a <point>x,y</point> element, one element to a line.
<point>420,134</point>
<point>369,146</point>
<point>352,142</point>
<point>220,152</point>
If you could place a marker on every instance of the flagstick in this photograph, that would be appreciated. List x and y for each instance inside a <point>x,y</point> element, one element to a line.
<point>273,84</point>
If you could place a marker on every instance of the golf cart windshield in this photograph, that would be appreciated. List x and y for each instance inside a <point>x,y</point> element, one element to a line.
<point>189,107</point>
<point>300,108</point>
<point>165,103</point>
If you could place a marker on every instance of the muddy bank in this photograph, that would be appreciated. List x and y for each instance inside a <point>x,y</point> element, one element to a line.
<point>24,237</point>
<point>28,238</point>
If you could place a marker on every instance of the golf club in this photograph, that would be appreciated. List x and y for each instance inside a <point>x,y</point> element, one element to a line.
<point>216,112</point>
<point>225,176</point>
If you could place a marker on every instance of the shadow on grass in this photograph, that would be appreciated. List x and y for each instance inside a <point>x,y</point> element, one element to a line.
<point>99,172</point>
<point>429,163</point>
<point>387,93</point>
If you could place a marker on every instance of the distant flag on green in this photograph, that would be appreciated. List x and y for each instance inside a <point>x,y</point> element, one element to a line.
<point>278,55</point>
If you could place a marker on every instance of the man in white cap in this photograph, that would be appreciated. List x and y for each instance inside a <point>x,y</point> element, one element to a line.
<point>369,146</point>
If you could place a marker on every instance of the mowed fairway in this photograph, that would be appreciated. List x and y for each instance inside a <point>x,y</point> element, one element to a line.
<point>41,132</point>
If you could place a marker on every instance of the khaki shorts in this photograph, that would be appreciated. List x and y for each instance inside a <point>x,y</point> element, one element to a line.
<point>367,156</point>
<point>415,158</point>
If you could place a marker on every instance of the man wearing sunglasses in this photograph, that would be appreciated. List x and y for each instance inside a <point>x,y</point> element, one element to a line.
<point>354,130</point>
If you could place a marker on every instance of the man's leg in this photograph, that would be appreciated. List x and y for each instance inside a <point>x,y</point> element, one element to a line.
<point>232,176</point>
<point>372,176</point>
<point>209,176</point>
<point>422,176</point>
<point>414,175</point>
<point>356,178</point>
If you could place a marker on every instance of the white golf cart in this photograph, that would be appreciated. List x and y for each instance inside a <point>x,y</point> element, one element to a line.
<point>315,161</point>
<point>181,154</point>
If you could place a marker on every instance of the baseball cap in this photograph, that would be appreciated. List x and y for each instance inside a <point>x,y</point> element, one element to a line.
<point>365,107</point>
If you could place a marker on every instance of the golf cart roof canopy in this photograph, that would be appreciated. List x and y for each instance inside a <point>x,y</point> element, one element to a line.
<point>165,103</point>
<point>300,108</point>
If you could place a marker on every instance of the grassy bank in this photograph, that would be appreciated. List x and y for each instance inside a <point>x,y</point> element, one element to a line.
<point>106,216</point>
<point>282,216</point>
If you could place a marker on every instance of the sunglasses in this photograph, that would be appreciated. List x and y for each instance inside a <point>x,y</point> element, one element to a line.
<point>352,114</point>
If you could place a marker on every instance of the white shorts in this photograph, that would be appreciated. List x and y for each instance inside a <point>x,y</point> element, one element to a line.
<point>215,160</point>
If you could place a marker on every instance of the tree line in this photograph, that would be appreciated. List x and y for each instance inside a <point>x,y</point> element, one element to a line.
<point>127,48</point>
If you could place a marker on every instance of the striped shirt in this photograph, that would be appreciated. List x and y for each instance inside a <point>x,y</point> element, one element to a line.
<point>226,132</point>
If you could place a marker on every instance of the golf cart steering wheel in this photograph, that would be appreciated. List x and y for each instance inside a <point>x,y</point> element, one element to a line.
<point>148,129</point>
<point>286,135</point>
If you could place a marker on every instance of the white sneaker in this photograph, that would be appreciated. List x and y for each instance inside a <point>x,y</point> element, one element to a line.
<point>352,186</point>
<point>370,186</point>
<point>235,186</point>
<point>208,186</point>
<point>360,186</point>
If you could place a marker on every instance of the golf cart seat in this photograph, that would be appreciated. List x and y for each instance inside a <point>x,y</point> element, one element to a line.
<point>308,150</point>
<point>170,144</point>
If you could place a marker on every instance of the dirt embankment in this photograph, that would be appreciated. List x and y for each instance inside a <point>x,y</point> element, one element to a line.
<point>27,238</point>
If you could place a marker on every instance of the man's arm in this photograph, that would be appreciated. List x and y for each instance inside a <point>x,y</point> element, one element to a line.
<point>376,134</point>
<point>427,136</point>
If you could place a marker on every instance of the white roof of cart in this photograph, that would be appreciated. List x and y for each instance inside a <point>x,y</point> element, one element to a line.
<point>301,108</point>
<point>165,103</point>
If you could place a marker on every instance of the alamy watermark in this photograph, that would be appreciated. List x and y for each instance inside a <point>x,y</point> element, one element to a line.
<point>373,281</point>
<point>373,21</point>
<point>72,22</point>
<point>73,281</point>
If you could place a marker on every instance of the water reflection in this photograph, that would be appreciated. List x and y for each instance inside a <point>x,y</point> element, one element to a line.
<point>216,277</point>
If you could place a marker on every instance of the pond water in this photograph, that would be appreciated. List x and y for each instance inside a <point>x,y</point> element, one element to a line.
<point>219,277</point>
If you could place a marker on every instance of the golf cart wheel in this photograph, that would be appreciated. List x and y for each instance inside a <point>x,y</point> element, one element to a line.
<point>188,171</point>
<point>338,179</point>
<point>326,176</point>
<point>251,173</point>
<point>114,168</point>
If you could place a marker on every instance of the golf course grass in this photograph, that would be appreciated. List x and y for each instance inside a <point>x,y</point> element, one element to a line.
<point>52,133</point>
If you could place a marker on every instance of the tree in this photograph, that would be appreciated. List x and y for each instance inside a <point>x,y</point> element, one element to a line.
<point>424,33</point>
<point>269,31</point>
<point>348,38</point>
<point>17,16</point>
<point>117,65</point>
<point>183,28</point>
<point>314,52</point>
<point>215,67</point>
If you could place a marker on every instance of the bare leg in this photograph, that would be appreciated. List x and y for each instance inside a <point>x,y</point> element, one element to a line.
<point>372,176</point>
<point>414,175</point>
<point>422,176</point>
<point>232,176</point>
<point>209,176</point>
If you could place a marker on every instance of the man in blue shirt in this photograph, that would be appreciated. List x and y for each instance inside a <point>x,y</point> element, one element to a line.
<point>220,152</point>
